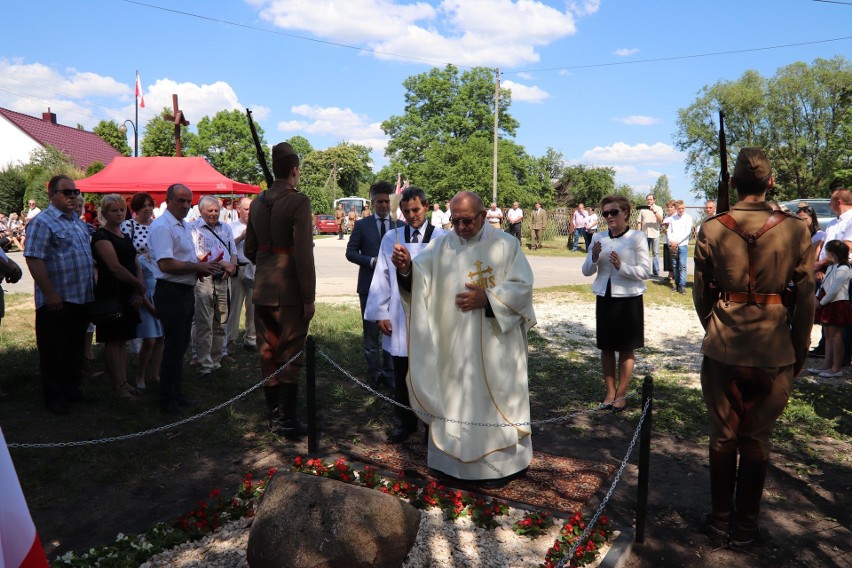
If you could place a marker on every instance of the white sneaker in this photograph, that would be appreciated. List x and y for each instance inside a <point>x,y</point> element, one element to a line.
<point>815,371</point>
<point>829,374</point>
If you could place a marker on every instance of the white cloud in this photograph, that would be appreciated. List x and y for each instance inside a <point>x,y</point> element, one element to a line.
<point>524,93</point>
<point>339,123</point>
<point>196,101</point>
<point>466,32</point>
<point>260,112</point>
<point>585,8</point>
<point>620,152</point>
<point>625,51</point>
<point>525,76</point>
<point>637,120</point>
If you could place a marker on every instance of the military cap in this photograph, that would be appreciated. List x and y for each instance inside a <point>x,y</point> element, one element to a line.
<point>752,164</point>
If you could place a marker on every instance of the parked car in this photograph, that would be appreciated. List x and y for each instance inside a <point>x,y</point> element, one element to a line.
<point>325,225</point>
<point>820,205</point>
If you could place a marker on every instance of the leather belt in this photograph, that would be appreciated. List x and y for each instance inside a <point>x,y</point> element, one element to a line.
<point>743,298</point>
<point>274,249</point>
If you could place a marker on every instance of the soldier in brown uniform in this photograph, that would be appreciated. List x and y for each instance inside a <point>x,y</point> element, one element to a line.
<point>279,240</point>
<point>754,347</point>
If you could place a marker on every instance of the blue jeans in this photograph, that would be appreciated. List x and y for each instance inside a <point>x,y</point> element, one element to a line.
<point>654,247</point>
<point>679,266</point>
<point>579,233</point>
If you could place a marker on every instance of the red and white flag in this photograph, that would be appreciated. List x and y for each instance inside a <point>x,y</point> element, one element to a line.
<point>398,184</point>
<point>139,96</point>
<point>20,546</point>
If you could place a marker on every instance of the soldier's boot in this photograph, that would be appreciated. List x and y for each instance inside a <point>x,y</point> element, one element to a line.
<point>273,415</point>
<point>723,478</point>
<point>289,425</point>
<point>751,476</point>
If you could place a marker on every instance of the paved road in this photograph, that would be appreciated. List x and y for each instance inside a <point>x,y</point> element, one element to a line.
<point>336,277</point>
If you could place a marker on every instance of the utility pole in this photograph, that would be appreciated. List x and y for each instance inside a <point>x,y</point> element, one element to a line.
<point>496,137</point>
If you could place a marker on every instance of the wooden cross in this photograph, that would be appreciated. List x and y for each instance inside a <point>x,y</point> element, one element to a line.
<point>179,120</point>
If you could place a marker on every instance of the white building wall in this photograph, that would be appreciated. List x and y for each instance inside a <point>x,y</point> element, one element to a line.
<point>15,145</point>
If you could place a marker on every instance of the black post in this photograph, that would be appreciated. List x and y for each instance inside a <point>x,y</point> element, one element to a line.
<point>644,459</point>
<point>311,392</point>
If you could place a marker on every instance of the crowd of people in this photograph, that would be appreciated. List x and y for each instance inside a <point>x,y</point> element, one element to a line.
<point>441,290</point>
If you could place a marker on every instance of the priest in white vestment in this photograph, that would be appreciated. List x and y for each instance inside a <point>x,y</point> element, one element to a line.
<point>384,305</point>
<point>470,308</point>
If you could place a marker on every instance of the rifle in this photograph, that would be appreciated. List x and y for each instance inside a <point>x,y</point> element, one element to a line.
<point>261,156</point>
<point>724,198</point>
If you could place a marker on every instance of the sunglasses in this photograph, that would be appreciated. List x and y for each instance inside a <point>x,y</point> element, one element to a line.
<point>610,212</point>
<point>69,192</point>
<point>805,209</point>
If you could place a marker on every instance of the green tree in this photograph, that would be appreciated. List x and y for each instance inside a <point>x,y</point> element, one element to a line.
<point>110,133</point>
<point>661,191</point>
<point>335,172</point>
<point>226,142</point>
<point>584,184</point>
<point>443,105</point>
<point>795,116</point>
<point>159,139</point>
<point>13,186</point>
<point>301,145</point>
<point>44,164</point>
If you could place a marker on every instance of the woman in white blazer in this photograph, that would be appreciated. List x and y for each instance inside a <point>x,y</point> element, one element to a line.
<point>619,257</point>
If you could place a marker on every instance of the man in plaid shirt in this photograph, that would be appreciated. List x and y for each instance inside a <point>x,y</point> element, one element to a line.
<point>59,257</point>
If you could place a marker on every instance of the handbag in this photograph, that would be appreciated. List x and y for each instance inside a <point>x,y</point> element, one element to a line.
<point>102,311</point>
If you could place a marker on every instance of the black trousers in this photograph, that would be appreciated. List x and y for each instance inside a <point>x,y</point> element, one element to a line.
<point>60,339</point>
<point>407,419</point>
<point>175,305</point>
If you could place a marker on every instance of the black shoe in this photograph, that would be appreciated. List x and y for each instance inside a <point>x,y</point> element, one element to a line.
<point>59,408</point>
<point>206,375</point>
<point>185,401</point>
<point>80,396</point>
<point>399,435</point>
<point>292,430</point>
<point>680,290</point>
<point>251,348</point>
<point>718,533</point>
<point>171,409</point>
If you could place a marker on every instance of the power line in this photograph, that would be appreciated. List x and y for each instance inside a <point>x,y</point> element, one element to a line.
<point>285,34</point>
<point>834,2</point>
<point>680,57</point>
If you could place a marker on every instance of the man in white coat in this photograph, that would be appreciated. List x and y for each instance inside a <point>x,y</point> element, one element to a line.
<point>384,305</point>
<point>470,308</point>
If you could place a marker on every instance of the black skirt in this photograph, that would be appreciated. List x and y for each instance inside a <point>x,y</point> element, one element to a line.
<point>620,323</point>
<point>667,258</point>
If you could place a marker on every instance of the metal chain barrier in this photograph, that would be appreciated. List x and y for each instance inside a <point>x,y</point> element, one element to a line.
<point>567,558</point>
<point>462,422</point>
<point>158,429</point>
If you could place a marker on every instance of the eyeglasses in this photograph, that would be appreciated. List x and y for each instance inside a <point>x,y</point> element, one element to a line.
<point>466,221</point>
<point>69,192</point>
<point>610,212</point>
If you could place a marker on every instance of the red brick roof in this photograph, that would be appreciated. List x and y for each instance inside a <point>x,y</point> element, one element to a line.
<point>81,146</point>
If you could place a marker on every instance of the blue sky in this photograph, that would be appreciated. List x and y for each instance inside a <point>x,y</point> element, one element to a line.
<point>576,70</point>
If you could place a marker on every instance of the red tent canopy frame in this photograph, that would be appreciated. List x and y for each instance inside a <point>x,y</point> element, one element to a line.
<point>127,176</point>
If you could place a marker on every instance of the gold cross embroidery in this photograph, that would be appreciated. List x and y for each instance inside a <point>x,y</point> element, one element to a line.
<point>482,278</point>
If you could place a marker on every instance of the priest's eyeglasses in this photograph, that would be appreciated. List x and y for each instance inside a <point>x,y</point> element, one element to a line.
<point>466,221</point>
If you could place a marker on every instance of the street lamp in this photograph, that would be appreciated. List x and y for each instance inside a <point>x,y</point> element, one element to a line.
<point>123,130</point>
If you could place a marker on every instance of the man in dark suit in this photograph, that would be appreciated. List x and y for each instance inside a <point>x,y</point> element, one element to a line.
<point>363,249</point>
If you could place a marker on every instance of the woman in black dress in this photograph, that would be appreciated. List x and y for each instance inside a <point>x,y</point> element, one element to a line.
<point>119,277</point>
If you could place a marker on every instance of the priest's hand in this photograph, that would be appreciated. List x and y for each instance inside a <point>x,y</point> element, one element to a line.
<point>472,299</point>
<point>385,326</point>
<point>401,258</point>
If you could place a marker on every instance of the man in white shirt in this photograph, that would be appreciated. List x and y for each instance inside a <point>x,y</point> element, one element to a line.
<point>33,210</point>
<point>494,216</point>
<point>242,285</point>
<point>680,229</point>
<point>213,242</point>
<point>515,217</point>
<point>437,219</point>
<point>578,221</point>
<point>649,223</point>
<point>176,269</point>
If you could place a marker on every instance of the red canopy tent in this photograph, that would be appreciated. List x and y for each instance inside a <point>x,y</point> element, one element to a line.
<point>154,175</point>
